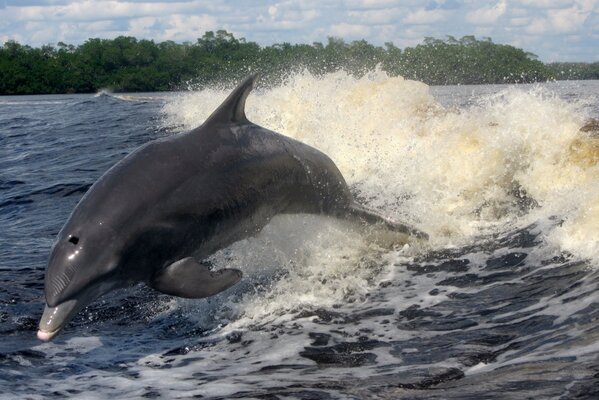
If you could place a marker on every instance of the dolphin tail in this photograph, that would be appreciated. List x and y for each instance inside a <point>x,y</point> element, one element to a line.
<point>190,279</point>
<point>366,215</point>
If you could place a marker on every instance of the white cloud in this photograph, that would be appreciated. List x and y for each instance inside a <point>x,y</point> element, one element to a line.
<point>349,31</point>
<point>541,26</point>
<point>142,27</point>
<point>487,15</point>
<point>110,9</point>
<point>544,3</point>
<point>573,39</point>
<point>518,12</point>
<point>376,4</point>
<point>538,26</point>
<point>375,16</point>
<point>483,31</point>
<point>184,27</point>
<point>568,19</point>
<point>414,34</point>
<point>422,16</point>
<point>520,21</point>
<point>289,12</point>
<point>15,36</point>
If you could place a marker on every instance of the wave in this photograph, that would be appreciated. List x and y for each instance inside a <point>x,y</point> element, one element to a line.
<point>504,181</point>
<point>27,100</point>
<point>505,159</point>
<point>57,190</point>
<point>131,97</point>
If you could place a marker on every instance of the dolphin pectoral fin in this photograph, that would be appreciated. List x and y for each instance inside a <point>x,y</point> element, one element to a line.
<point>364,214</point>
<point>188,278</point>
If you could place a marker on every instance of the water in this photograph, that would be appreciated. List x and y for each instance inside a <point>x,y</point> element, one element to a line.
<point>501,303</point>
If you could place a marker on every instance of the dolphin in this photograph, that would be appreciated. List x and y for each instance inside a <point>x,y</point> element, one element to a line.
<point>157,213</point>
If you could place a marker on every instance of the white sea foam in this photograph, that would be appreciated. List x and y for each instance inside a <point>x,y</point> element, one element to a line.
<point>449,171</point>
<point>452,172</point>
<point>324,309</point>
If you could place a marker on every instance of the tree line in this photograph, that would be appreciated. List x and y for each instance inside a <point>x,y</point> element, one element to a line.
<point>574,70</point>
<point>128,64</point>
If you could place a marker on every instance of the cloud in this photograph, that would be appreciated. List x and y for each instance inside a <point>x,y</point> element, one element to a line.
<point>349,31</point>
<point>422,16</point>
<point>544,3</point>
<point>518,12</point>
<point>101,10</point>
<point>545,27</point>
<point>144,26</point>
<point>375,16</point>
<point>181,27</point>
<point>519,21</point>
<point>559,21</point>
<point>375,4</point>
<point>15,37</point>
<point>290,12</point>
<point>568,19</point>
<point>487,15</point>
<point>538,26</point>
<point>445,4</point>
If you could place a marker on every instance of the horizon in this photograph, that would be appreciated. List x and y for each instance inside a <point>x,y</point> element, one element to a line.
<point>553,30</point>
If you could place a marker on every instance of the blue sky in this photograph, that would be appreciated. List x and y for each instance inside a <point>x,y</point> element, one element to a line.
<point>555,30</point>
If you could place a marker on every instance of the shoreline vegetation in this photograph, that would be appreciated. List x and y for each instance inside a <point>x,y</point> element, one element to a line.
<point>126,64</point>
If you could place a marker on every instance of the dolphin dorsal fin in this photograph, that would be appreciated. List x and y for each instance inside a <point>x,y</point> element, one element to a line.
<point>232,110</point>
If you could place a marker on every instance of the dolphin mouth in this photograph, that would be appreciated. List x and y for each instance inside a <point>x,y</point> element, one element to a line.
<point>55,318</point>
<point>46,336</point>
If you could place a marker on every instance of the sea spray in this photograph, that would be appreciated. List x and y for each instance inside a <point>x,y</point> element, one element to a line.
<point>323,311</point>
<point>450,171</point>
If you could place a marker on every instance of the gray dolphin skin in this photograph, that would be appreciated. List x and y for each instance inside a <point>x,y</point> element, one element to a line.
<point>174,201</point>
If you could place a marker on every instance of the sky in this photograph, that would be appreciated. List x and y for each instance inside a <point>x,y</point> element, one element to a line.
<point>554,30</point>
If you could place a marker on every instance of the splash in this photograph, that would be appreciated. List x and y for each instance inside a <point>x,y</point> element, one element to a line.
<point>452,172</point>
<point>104,92</point>
<point>133,97</point>
<point>509,159</point>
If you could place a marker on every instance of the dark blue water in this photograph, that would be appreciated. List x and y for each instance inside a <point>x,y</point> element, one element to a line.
<point>53,149</point>
<point>503,316</point>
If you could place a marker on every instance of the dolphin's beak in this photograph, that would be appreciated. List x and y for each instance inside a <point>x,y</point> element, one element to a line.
<point>55,318</point>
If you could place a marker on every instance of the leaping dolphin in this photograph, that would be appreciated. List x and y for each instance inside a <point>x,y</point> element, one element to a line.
<point>174,201</point>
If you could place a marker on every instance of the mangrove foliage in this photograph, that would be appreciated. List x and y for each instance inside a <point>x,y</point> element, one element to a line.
<point>129,64</point>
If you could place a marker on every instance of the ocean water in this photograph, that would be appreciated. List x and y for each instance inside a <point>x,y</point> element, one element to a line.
<point>502,302</point>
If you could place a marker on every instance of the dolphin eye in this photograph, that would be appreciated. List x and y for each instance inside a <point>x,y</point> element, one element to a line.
<point>74,239</point>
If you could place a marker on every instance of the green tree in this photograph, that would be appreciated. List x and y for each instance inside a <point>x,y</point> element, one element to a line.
<point>128,64</point>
